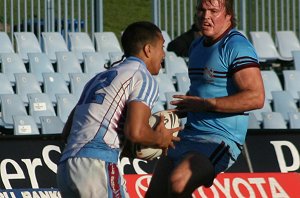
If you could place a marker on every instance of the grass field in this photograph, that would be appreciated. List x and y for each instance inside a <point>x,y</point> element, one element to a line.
<point>119,13</point>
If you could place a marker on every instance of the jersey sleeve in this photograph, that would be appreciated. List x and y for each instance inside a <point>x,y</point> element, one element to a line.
<point>144,88</point>
<point>240,54</point>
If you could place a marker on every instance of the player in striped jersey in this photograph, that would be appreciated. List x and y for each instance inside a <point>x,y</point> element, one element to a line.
<point>114,104</point>
<point>225,83</point>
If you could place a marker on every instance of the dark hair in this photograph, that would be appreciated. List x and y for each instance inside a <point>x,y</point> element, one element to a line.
<point>136,35</point>
<point>229,6</point>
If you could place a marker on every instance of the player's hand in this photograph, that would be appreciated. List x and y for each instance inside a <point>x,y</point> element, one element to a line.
<point>186,104</point>
<point>167,137</point>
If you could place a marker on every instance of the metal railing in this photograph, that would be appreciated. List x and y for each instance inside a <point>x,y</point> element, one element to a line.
<point>176,16</point>
<point>51,15</point>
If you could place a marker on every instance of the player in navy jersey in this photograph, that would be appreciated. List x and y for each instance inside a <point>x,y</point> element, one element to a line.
<point>225,83</point>
<point>114,104</point>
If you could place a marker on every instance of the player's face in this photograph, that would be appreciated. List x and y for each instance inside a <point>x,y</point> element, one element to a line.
<point>157,55</point>
<point>213,19</point>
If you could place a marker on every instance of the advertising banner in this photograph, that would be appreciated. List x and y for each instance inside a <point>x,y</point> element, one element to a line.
<point>233,185</point>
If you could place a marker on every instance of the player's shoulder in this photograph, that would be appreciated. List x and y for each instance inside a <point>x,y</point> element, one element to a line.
<point>235,38</point>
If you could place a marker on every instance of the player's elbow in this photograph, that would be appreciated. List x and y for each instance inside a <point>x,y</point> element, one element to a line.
<point>133,135</point>
<point>259,100</point>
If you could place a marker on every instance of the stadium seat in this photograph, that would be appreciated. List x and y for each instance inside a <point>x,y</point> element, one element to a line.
<point>271,83</point>
<point>107,42</point>
<point>39,63</point>
<point>284,103</point>
<point>183,82</point>
<point>294,120</point>
<point>169,98</point>
<point>40,105</point>
<point>287,42</point>
<point>6,87</point>
<point>273,120</point>
<point>65,104</point>
<point>26,83</point>
<point>167,39</point>
<point>54,83</point>
<point>253,122</point>
<point>77,83</point>
<point>291,82</point>
<point>11,64</point>
<point>296,58</point>
<point>67,63</point>
<point>115,56</point>
<point>6,45</point>
<point>258,112</point>
<point>93,62</point>
<point>11,104</point>
<point>165,85</point>
<point>174,64</point>
<point>51,125</point>
<point>80,42</point>
<point>26,42</point>
<point>265,46</point>
<point>25,125</point>
<point>158,106</point>
<point>53,42</point>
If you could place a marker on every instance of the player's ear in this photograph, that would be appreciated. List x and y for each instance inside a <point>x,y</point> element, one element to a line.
<point>147,50</point>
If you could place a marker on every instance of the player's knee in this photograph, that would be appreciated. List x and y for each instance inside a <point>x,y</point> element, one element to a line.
<point>178,183</point>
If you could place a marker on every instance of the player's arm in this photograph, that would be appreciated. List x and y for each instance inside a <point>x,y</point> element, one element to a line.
<point>138,130</point>
<point>250,96</point>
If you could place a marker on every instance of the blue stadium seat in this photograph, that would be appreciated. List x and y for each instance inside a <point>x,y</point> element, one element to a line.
<point>273,120</point>
<point>67,63</point>
<point>25,125</point>
<point>165,85</point>
<point>159,106</point>
<point>253,122</point>
<point>40,105</point>
<point>54,83</point>
<point>174,64</point>
<point>53,42</point>
<point>296,58</point>
<point>39,63</point>
<point>51,125</point>
<point>287,42</point>
<point>26,42</point>
<point>284,103</point>
<point>183,82</point>
<point>107,42</point>
<point>11,64</point>
<point>26,83</point>
<point>80,42</point>
<point>6,45</point>
<point>6,87</point>
<point>294,120</point>
<point>169,98</point>
<point>291,82</point>
<point>11,104</point>
<point>271,83</point>
<point>265,46</point>
<point>258,112</point>
<point>93,62</point>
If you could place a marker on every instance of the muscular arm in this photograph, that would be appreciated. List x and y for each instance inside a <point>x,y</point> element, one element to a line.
<point>138,130</point>
<point>251,93</point>
<point>250,96</point>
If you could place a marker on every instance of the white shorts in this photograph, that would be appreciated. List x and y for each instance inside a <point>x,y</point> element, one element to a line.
<point>90,178</point>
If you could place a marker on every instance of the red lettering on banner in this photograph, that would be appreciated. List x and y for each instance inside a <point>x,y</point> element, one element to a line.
<point>232,185</point>
<point>113,174</point>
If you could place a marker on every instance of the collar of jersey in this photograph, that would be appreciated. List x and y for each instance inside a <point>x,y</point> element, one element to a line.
<point>133,58</point>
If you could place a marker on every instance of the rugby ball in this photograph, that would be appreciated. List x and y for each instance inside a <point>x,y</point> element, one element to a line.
<point>148,153</point>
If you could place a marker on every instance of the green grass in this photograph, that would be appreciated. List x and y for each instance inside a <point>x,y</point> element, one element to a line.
<point>120,13</point>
